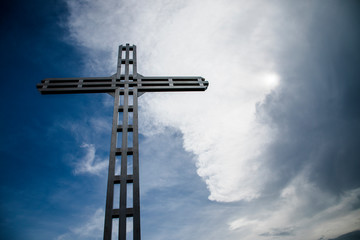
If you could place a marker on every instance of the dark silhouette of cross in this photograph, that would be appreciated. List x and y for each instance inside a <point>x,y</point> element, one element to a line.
<point>126,85</point>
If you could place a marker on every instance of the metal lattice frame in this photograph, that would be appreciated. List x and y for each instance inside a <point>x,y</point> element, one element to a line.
<point>128,85</point>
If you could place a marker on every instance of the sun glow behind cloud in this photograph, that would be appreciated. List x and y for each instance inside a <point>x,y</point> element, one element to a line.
<point>233,56</point>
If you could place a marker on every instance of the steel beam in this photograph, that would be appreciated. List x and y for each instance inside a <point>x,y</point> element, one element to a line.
<point>125,84</point>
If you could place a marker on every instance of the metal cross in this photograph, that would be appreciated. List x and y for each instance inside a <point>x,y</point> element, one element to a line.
<point>126,84</point>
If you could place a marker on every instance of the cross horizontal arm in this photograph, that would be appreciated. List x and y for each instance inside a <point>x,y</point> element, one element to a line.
<point>77,85</point>
<point>109,84</point>
<point>170,84</point>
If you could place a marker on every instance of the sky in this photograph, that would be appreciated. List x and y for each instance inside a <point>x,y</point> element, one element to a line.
<point>269,151</point>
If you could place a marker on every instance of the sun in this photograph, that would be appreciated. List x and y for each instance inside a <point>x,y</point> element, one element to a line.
<point>271,80</point>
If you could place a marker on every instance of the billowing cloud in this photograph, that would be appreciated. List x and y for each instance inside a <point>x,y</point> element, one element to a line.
<point>302,210</point>
<point>225,136</point>
<point>90,163</point>
<point>276,132</point>
<point>94,157</point>
<point>315,111</point>
<point>90,228</point>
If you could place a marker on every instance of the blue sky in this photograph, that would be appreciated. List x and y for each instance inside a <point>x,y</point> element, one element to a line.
<point>269,151</point>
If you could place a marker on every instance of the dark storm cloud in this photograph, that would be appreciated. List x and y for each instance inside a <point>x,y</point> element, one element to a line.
<point>355,235</point>
<point>278,233</point>
<point>316,110</point>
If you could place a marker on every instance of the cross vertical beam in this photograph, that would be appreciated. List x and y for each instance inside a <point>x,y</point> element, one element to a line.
<point>136,169</point>
<point>128,67</point>
<point>111,171</point>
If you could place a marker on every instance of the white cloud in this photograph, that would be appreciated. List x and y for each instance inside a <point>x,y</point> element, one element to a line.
<point>303,211</point>
<point>227,42</point>
<point>96,130</point>
<point>90,163</point>
<point>236,46</point>
<point>91,229</point>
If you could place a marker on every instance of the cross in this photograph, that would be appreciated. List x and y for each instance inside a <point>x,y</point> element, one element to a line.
<point>126,84</point>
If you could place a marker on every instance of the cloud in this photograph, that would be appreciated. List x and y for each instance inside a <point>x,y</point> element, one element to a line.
<point>225,136</point>
<point>93,136</point>
<point>303,210</point>
<point>91,229</point>
<point>276,232</point>
<point>90,163</point>
<point>314,113</point>
<point>276,133</point>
